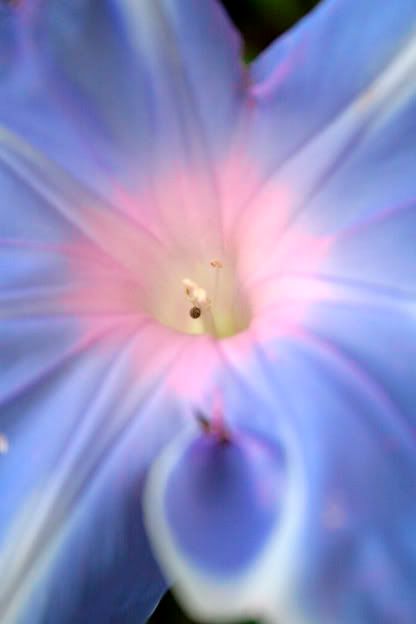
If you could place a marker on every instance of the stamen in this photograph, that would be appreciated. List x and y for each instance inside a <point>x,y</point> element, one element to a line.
<point>217,265</point>
<point>202,307</point>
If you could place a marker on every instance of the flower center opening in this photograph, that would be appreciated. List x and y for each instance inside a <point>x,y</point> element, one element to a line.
<point>206,299</point>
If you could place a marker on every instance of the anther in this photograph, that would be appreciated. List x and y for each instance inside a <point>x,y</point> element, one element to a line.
<point>195,312</point>
<point>216,264</point>
<point>190,287</point>
<point>196,295</point>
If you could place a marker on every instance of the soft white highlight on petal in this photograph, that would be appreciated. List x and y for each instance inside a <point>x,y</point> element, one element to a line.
<point>395,84</point>
<point>265,588</point>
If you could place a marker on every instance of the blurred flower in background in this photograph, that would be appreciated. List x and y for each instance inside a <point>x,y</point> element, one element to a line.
<point>207,305</point>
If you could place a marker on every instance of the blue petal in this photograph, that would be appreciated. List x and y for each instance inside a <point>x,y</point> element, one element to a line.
<point>62,238</point>
<point>351,179</point>
<point>361,187</point>
<point>344,384</point>
<point>70,478</point>
<point>338,392</point>
<point>29,107</point>
<point>313,74</point>
<point>70,410</point>
<point>222,501</point>
<point>80,436</point>
<point>8,41</point>
<point>135,76</point>
<point>373,264</point>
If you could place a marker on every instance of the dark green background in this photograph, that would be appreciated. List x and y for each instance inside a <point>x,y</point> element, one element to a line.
<point>260,22</point>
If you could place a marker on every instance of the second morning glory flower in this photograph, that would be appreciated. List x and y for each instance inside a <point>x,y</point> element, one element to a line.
<point>207,314</point>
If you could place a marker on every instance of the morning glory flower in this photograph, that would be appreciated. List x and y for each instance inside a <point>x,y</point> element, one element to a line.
<point>207,314</point>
